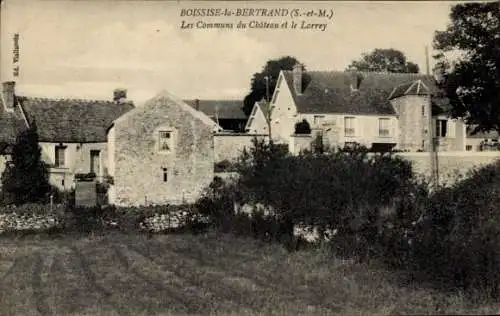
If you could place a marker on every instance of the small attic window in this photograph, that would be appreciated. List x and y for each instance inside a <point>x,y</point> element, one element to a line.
<point>165,141</point>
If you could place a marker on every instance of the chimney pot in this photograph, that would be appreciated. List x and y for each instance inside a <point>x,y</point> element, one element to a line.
<point>9,94</point>
<point>119,95</point>
<point>297,78</point>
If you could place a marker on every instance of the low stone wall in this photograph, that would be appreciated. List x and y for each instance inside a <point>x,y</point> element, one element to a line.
<point>33,217</point>
<point>451,166</point>
<point>299,143</point>
<point>40,218</point>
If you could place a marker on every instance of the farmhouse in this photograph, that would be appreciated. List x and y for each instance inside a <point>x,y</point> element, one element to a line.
<point>72,133</point>
<point>160,153</point>
<point>384,110</point>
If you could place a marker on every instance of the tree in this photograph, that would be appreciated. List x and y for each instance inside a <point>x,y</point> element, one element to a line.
<point>472,80</point>
<point>258,84</point>
<point>25,178</point>
<point>302,127</point>
<point>390,60</point>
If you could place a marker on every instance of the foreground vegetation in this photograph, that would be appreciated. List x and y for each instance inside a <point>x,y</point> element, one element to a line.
<point>202,274</point>
<point>386,243</point>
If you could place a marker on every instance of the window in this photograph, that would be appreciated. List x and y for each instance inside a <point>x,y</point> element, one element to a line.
<point>254,110</point>
<point>423,110</point>
<point>441,128</point>
<point>95,161</point>
<point>468,147</point>
<point>60,156</point>
<point>349,128</point>
<point>165,174</point>
<point>165,141</point>
<point>383,127</point>
<point>318,119</point>
<point>278,82</point>
<point>249,124</point>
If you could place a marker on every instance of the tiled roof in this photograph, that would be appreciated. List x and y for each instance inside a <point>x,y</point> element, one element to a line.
<point>330,91</point>
<point>11,124</point>
<point>72,120</point>
<point>225,109</point>
<point>416,87</point>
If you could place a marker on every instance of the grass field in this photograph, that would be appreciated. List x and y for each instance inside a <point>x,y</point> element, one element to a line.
<point>202,275</point>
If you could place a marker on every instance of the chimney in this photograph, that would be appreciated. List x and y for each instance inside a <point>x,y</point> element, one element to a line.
<point>297,78</point>
<point>197,104</point>
<point>8,94</point>
<point>119,95</point>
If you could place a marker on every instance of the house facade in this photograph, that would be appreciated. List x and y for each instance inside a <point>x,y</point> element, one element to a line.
<point>384,110</point>
<point>72,133</point>
<point>160,153</point>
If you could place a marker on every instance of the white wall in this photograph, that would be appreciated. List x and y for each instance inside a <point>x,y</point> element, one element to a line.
<point>77,160</point>
<point>284,113</point>
<point>366,128</point>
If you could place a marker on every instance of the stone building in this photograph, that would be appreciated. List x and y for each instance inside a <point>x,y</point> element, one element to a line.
<point>160,153</point>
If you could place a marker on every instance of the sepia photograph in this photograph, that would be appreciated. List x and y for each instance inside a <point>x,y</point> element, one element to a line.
<point>174,157</point>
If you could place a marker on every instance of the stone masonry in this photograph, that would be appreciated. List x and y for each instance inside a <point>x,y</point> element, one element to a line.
<point>412,122</point>
<point>145,175</point>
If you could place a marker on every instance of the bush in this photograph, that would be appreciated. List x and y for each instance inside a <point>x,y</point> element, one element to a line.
<point>343,190</point>
<point>25,178</point>
<point>303,127</point>
<point>458,240</point>
<point>224,166</point>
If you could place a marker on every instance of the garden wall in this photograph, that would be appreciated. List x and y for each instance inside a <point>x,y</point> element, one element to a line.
<point>451,165</point>
<point>229,146</point>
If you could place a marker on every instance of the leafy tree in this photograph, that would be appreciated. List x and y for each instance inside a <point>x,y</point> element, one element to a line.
<point>472,80</point>
<point>258,85</point>
<point>390,60</point>
<point>25,178</point>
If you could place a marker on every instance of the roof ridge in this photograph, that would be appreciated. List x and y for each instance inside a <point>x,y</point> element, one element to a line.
<point>396,74</point>
<point>62,99</point>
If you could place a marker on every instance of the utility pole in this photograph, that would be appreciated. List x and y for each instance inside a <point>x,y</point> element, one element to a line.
<point>427,69</point>
<point>268,106</point>
<point>433,144</point>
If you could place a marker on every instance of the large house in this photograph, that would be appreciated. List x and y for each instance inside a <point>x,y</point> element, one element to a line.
<point>227,113</point>
<point>373,109</point>
<point>161,152</point>
<point>72,133</point>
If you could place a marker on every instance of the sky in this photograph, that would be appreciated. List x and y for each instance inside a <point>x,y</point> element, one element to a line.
<point>87,48</point>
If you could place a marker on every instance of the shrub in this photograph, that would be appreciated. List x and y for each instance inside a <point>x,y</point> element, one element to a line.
<point>343,190</point>
<point>302,127</point>
<point>25,178</point>
<point>458,240</point>
<point>224,166</point>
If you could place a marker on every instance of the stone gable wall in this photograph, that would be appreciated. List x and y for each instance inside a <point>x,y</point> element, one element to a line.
<point>138,176</point>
